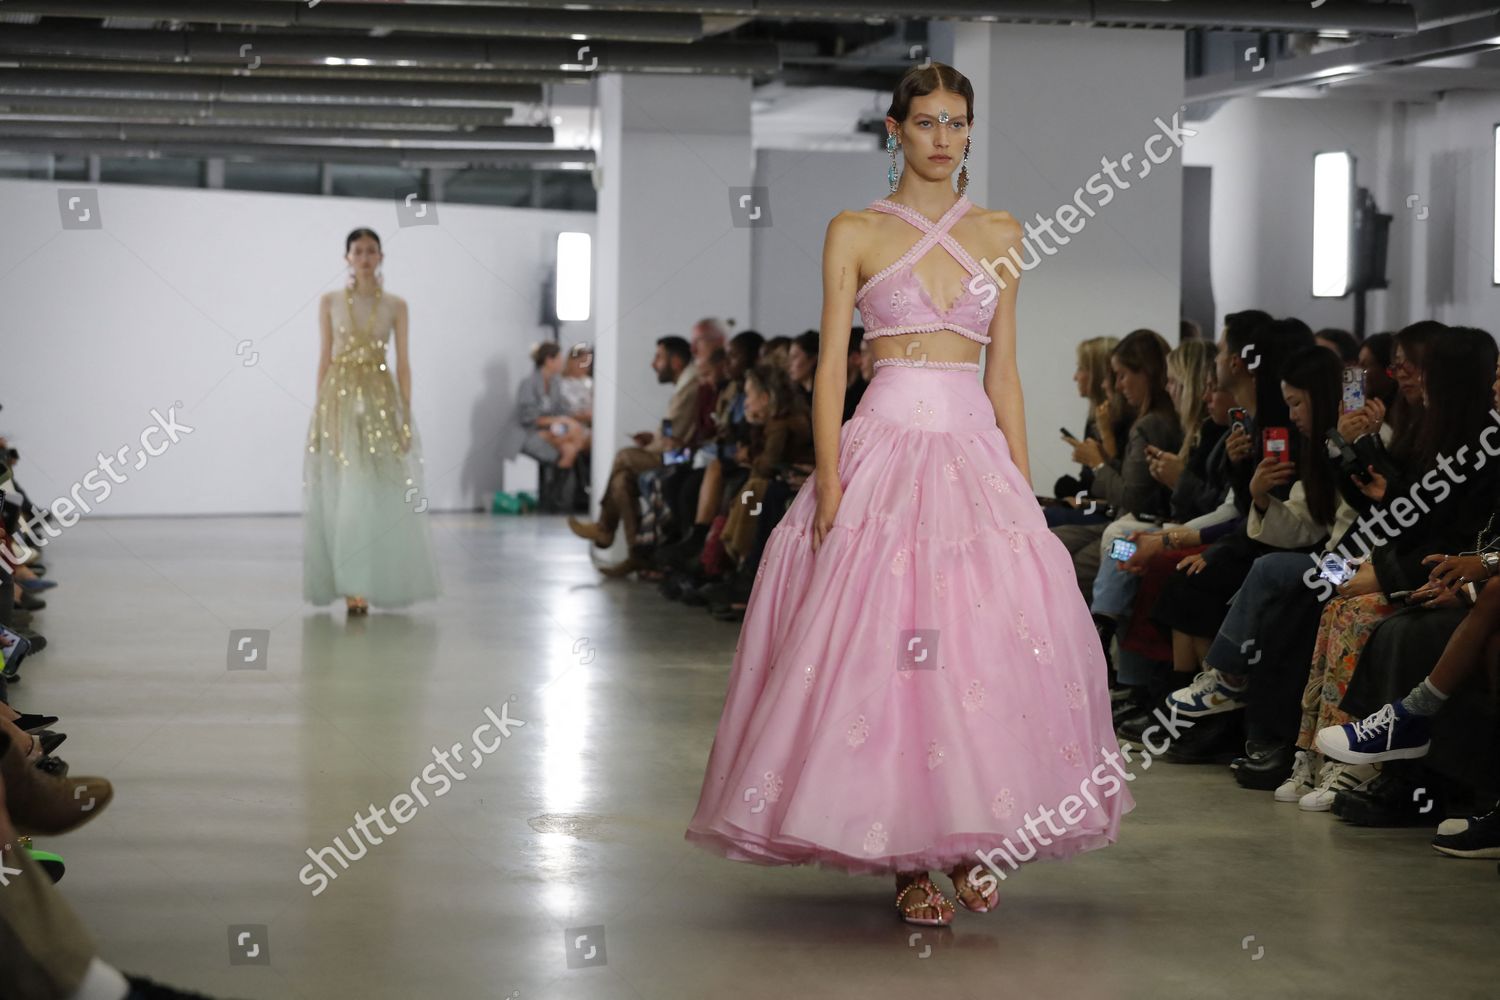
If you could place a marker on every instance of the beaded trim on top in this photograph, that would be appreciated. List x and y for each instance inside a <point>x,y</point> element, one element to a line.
<point>897,331</point>
<point>947,366</point>
<point>932,234</point>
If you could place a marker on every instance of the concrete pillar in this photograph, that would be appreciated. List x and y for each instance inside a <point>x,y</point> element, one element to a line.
<point>673,246</point>
<point>1053,106</point>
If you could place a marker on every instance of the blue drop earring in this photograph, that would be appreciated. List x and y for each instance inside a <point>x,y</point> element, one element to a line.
<point>890,145</point>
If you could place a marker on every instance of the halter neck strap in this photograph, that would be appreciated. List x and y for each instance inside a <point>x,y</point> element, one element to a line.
<point>917,219</point>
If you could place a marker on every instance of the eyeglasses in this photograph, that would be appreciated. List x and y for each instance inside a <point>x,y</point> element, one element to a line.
<point>1400,368</point>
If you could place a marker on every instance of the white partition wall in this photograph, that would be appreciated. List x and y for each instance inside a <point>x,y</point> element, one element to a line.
<point>1052,104</point>
<point>670,249</point>
<point>806,189</point>
<point>205,301</point>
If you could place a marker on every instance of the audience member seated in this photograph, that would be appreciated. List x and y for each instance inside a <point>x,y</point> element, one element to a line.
<point>802,362</point>
<point>1449,713</point>
<point>1189,372</point>
<point>1107,421</point>
<point>775,350</point>
<point>1340,342</point>
<point>1139,367</point>
<point>860,372</point>
<point>673,363</point>
<point>554,435</point>
<point>578,387</point>
<point>1191,602</point>
<point>714,461</point>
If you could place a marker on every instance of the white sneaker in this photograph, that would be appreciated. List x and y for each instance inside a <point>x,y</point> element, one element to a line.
<point>1207,695</point>
<point>1301,781</point>
<point>1336,778</point>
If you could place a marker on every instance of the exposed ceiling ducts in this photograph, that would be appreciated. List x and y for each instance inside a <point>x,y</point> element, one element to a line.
<point>493,80</point>
<point>238,49</point>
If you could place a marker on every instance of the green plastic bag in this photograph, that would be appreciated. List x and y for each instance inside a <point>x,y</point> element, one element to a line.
<point>512,503</point>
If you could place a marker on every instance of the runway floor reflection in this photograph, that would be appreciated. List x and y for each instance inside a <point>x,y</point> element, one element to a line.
<point>553,865</point>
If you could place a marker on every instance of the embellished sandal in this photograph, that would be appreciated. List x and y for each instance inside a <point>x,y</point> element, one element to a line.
<point>966,880</point>
<point>929,896</point>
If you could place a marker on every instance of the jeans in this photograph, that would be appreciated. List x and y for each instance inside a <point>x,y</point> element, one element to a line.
<point>1239,644</point>
<point>1114,589</point>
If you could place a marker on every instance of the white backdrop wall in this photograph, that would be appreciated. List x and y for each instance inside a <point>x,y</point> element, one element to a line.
<point>1261,152</point>
<point>1442,245</point>
<point>100,326</point>
<point>806,190</point>
<point>1437,155</point>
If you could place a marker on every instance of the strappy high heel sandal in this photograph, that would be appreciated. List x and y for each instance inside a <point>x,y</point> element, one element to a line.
<point>990,899</point>
<point>928,895</point>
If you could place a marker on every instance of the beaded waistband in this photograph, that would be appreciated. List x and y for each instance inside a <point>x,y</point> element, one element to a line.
<point>946,366</point>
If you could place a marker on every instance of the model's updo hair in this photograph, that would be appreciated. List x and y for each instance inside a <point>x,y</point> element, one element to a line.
<point>920,81</point>
<point>357,234</point>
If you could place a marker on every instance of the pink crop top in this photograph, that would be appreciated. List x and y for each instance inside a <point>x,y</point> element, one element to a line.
<point>902,306</point>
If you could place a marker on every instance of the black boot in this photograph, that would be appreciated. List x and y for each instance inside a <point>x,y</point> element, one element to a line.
<point>1264,769</point>
<point>684,553</point>
<point>1396,797</point>
<point>1212,739</point>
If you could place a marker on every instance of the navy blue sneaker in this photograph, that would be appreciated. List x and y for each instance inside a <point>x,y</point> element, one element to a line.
<point>1475,837</point>
<point>1389,734</point>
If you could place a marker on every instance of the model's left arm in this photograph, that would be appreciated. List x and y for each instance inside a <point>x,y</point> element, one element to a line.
<point>403,360</point>
<point>1002,379</point>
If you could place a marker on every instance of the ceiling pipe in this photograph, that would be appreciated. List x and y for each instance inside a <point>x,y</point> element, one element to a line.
<point>250,88</point>
<point>310,113</point>
<point>299,135</point>
<point>682,20</point>
<point>238,48</point>
<point>263,71</point>
<point>446,19</point>
<point>536,159</point>
<point>1481,34</point>
<point>1249,15</point>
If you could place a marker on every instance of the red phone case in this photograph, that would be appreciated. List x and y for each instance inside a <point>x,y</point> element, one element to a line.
<point>1274,444</point>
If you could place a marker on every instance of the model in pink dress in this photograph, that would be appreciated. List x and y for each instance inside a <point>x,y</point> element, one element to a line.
<point>918,681</point>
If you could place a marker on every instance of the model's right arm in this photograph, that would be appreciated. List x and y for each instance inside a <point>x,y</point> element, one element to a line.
<point>831,379</point>
<point>325,328</point>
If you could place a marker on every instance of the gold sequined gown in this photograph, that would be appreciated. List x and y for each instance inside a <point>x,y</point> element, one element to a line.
<point>364,509</point>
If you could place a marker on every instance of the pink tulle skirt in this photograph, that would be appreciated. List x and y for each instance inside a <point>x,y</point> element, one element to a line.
<point>930,680</point>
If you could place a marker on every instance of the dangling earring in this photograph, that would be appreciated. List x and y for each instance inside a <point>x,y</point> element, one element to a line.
<point>890,145</point>
<point>963,167</point>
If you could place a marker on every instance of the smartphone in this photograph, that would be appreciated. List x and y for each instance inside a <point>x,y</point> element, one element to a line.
<point>13,649</point>
<point>675,457</point>
<point>666,427</point>
<point>1354,389</point>
<point>1335,569</point>
<point>1239,417</point>
<point>1121,549</point>
<point>1068,434</point>
<point>1275,443</point>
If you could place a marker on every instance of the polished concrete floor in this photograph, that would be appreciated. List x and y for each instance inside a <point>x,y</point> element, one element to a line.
<point>572,826</point>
